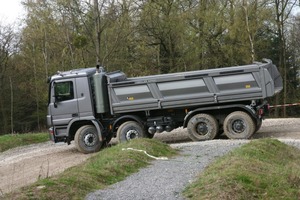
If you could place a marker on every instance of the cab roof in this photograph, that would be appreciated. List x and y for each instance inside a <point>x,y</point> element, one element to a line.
<point>83,72</point>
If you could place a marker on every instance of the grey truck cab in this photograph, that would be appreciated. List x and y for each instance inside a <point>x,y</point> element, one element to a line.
<point>90,106</point>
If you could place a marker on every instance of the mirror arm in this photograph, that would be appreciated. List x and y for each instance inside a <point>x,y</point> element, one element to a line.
<point>55,101</point>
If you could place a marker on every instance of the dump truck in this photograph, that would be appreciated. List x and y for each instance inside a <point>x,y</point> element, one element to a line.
<point>90,106</point>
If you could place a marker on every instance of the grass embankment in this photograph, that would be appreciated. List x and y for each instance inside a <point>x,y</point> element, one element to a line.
<point>261,169</point>
<point>108,166</point>
<point>15,140</point>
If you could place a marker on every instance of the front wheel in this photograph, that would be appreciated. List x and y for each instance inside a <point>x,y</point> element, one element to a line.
<point>130,130</point>
<point>202,127</point>
<point>238,125</point>
<point>87,139</point>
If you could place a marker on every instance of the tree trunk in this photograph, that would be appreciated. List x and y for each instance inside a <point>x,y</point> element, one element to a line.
<point>245,7</point>
<point>97,31</point>
<point>11,106</point>
<point>36,92</point>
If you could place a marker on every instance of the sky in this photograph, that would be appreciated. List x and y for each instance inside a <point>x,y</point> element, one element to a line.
<point>10,11</point>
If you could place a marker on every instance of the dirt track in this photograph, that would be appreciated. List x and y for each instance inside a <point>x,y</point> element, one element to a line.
<point>24,165</point>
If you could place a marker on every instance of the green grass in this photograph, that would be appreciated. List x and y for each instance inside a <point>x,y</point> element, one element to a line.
<point>108,166</point>
<point>261,169</point>
<point>15,140</point>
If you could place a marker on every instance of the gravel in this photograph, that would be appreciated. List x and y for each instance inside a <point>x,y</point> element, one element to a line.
<point>167,179</point>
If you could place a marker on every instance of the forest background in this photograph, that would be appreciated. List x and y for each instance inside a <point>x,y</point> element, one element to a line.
<point>141,37</point>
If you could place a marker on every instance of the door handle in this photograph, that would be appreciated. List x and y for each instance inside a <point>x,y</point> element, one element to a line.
<point>75,115</point>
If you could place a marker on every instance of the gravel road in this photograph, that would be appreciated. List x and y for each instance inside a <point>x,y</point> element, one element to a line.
<point>24,165</point>
<point>165,179</point>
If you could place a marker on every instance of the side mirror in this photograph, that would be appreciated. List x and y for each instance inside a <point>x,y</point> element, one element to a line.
<point>54,96</point>
<point>57,99</point>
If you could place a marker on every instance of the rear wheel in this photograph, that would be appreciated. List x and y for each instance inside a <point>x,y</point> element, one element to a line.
<point>87,139</point>
<point>239,125</point>
<point>130,130</point>
<point>202,127</point>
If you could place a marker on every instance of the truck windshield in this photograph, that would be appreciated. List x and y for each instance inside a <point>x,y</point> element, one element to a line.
<point>64,91</point>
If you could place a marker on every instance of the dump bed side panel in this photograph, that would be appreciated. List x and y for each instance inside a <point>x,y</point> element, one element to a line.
<point>187,89</point>
<point>275,77</point>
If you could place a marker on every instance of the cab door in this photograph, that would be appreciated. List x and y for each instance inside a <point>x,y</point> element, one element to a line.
<point>63,106</point>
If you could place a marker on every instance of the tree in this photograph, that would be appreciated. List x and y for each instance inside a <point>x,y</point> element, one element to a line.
<point>283,10</point>
<point>293,64</point>
<point>7,50</point>
<point>140,38</point>
<point>160,22</point>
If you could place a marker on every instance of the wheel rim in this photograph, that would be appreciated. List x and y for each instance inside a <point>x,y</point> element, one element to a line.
<point>89,139</point>
<point>132,134</point>
<point>202,128</point>
<point>238,126</point>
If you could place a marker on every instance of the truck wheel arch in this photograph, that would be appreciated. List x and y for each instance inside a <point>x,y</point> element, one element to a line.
<point>236,107</point>
<point>75,125</point>
<point>125,118</point>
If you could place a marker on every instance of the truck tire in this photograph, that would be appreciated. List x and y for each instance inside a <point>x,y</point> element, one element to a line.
<point>130,130</point>
<point>87,139</point>
<point>202,127</point>
<point>239,125</point>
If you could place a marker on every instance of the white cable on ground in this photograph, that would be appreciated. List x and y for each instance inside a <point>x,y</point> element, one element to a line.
<point>156,158</point>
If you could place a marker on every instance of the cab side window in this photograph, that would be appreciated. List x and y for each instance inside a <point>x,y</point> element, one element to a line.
<point>64,91</point>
